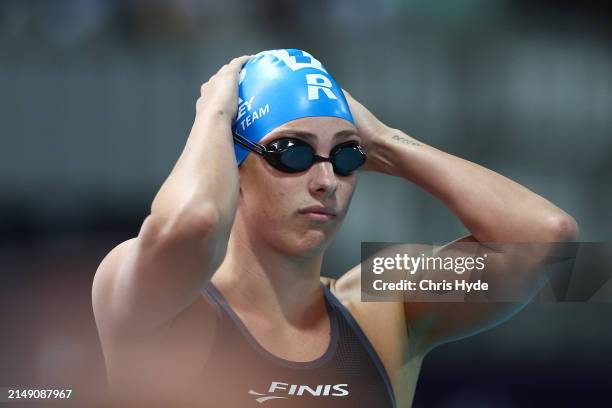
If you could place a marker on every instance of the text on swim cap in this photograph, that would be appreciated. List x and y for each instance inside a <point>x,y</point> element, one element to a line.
<point>316,83</point>
<point>252,117</point>
<point>244,106</point>
<point>297,59</point>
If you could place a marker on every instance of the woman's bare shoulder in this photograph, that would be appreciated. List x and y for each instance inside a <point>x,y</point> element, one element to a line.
<point>329,282</point>
<point>347,286</point>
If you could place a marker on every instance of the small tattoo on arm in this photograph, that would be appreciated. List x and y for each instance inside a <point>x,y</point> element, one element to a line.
<point>404,140</point>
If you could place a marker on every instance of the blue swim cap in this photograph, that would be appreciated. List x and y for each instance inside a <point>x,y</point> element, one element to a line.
<point>279,86</point>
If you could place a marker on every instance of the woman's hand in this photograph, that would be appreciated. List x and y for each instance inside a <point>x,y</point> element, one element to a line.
<point>219,95</point>
<point>370,130</point>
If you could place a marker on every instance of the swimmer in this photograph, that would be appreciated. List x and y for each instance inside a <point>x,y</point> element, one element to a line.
<point>219,301</point>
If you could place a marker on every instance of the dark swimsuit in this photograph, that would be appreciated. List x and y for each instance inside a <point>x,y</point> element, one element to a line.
<point>241,373</point>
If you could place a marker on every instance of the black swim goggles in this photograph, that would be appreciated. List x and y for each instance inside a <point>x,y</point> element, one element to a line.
<point>295,155</point>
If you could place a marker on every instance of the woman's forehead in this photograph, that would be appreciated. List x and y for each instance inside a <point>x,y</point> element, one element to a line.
<point>313,128</point>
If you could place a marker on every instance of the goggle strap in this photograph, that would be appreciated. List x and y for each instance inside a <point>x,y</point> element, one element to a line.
<point>247,144</point>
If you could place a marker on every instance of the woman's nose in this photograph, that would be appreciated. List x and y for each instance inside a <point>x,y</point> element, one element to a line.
<point>323,178</point>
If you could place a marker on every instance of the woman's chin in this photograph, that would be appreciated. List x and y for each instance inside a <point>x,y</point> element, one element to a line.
<point>313,242</point>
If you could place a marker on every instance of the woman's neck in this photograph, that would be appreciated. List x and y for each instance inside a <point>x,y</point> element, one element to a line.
<point>265,282</point>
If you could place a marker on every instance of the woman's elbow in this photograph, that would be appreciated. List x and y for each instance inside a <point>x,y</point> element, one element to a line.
<point>563,228</point>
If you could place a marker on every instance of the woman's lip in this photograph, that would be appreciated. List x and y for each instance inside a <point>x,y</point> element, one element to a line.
<point>318,210</point>
<point>317,216</point>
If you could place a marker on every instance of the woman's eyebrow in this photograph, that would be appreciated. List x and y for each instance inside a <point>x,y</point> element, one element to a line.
<point>298,133</point>
<point>346,133</point>
<point>311,136</point>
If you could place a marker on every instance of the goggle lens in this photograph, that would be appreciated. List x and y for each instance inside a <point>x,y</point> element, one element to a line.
<point>294,155</point>
<point>297,157</point>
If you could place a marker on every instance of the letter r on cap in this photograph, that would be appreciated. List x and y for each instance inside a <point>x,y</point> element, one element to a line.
<point>316,83</point>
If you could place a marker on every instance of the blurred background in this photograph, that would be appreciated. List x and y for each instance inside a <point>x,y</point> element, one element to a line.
<point>98,98</point>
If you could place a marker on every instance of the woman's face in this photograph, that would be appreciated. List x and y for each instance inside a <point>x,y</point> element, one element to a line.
<point>272,202</point>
